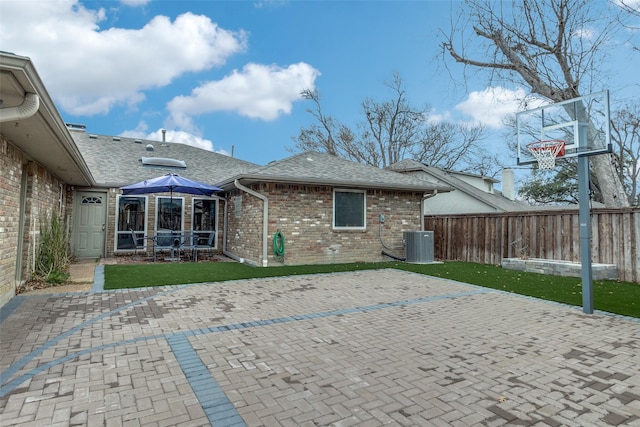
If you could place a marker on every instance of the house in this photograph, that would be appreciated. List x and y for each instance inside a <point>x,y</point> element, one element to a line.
<point>323,208</point>
<point>105,230</point>
<point>327,209</point>
<point>40,166</point>
<point>473,193</point>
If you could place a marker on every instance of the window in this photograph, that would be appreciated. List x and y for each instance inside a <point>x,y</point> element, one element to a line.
<point>90,200</point>
<point>204,222</point>
<point>130,215</point>
<point>349,207</point>
<point>169,213</point>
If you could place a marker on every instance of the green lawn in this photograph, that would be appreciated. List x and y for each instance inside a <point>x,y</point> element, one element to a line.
<point>612,296</point>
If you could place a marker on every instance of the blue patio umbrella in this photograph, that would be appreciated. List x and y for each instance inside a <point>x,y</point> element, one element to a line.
<point>168,184</point>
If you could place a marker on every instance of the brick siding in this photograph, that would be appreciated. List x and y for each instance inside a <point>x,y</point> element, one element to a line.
<point>304,215</point>
<point>43,194</point>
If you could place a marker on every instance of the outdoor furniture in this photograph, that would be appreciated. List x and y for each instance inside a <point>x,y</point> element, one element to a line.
<point>162,241</point>
<point>188,246</point>
<point>178,244</point>
<point>210,242</point>
<point>204,240</point>
<point>139,241</point>
<point>134,241</point>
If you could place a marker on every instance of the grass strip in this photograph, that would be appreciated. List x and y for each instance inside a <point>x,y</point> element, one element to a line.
<point>611,296</point>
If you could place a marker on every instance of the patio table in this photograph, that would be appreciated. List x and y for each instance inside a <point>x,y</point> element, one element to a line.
<point>175,242</point>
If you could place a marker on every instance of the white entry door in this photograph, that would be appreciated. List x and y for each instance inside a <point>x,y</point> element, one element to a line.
<point>90,224</point>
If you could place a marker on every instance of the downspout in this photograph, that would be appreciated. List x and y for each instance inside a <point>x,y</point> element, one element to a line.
<point>28,108</point>
<point>224,227</point>
<point>424,198</point>
<point>265,218</point>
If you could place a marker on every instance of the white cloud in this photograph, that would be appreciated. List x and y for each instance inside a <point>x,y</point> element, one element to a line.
<point>182,138</point>
<point>141,131</point>
<point>89,70</point>
<point>258,91</point>
<point>134,2</point>
<point>493,105</point>
<point>629,4</point>
<point>436,118</point>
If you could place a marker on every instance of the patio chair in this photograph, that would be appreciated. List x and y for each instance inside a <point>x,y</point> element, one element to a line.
<point>163,241</point>
<point>204,240</point>
<point>189,244</point>
<point>208,243</point>
<point>135,239</point>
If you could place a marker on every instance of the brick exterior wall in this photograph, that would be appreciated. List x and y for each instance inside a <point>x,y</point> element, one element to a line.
<point>304,215</point>
<point>43,193</point>
<point>11,161</point>
<point>244,226</point>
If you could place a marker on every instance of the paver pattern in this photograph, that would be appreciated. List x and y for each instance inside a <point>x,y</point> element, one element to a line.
<point>348,349</point>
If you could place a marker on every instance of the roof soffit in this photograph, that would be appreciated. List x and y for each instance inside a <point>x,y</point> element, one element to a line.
<point>43,137</point>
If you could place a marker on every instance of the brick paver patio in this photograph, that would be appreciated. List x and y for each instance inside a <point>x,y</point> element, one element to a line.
<point>364,348</point>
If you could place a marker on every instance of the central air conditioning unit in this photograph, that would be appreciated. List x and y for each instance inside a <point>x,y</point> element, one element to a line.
<point>419,247</point>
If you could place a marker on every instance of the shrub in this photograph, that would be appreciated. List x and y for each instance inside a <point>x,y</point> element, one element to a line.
<point>52,261</point>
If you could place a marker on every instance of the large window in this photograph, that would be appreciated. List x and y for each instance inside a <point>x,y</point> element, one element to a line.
<point>131,215</point>
<point>169,213</point>
<point>204,222</point>
<point>349,207</point>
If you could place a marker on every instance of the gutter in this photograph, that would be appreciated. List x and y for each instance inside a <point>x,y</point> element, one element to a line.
<point>265,218</point>
<point>424,198</point>
<point>338,183</point>
<point>28,108</point>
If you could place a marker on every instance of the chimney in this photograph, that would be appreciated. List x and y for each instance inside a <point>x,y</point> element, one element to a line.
<point>164,135</point>
<point>508,185</point>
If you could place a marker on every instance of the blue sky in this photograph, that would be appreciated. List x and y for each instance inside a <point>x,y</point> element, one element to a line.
<point>226,75</point>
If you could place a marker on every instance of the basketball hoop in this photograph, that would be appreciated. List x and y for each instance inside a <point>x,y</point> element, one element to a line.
<point>546,152</point>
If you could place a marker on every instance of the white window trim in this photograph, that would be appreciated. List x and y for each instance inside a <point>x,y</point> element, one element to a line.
<point>115,228</point>
<point>215,220</point>
<point>364,209</point>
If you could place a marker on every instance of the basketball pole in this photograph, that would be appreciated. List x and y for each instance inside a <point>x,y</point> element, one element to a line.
<point>585,234</point>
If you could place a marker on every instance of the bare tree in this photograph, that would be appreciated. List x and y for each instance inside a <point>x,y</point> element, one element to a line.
<point>392,127</point>
<point>625,133</point>
<point>448,145</point>
<point>394,130</point>
<point>631,9</point>
<point>542,43</point>
<point>320,136</point>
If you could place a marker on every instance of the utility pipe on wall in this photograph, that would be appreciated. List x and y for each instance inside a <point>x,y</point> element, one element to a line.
<point>424,198</point>
<point>28,108</point>
<point>265,218</point>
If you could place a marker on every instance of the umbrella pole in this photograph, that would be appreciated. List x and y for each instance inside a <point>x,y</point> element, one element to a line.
<point>171,213</point>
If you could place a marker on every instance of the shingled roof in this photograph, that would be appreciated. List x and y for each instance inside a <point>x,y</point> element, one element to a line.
<point>324,169</point>
<point>434,174</point>
<point>116,161</point>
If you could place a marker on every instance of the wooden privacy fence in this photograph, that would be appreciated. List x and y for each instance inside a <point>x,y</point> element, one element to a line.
<point>551,234</point>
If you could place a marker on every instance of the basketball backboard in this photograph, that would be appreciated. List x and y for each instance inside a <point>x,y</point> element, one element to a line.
<point>582,123</point>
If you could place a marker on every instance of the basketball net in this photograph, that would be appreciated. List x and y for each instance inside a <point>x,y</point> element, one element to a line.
<point>546,152</point>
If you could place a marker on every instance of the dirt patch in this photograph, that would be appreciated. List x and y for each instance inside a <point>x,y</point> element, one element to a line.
<point>38,287</point>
